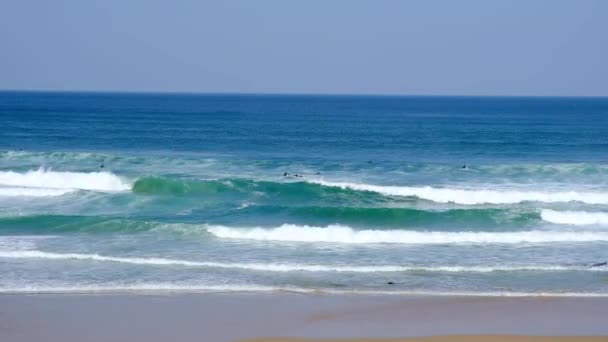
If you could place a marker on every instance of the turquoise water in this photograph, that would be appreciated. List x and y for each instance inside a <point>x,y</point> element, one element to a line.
<point>193,196</point>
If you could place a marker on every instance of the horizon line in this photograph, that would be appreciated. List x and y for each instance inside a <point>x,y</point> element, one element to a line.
<point>226,93</point>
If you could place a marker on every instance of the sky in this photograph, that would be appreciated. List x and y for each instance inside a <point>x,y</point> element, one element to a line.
<point>466,47</point>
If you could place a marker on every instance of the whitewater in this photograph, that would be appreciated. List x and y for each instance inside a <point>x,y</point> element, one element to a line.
<point>342,234</point>
<point>476,196</point>
<point>43,182</point>
<point>576,218</point>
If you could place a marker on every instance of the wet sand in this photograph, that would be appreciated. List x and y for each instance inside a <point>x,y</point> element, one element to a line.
<point>232,317</point>
<point>456,338</point>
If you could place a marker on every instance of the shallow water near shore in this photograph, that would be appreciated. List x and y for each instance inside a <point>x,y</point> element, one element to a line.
<point>402,195</point>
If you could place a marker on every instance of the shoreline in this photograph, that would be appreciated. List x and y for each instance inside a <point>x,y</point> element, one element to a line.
<point>258,316</point>
<point>178,290</point>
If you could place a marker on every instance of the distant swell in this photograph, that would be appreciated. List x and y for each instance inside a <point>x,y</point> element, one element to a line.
<point>576,218</point>
<point>472,197</point>
<point>342,234</point>
<point>47,179</point>
<point>32,254</point>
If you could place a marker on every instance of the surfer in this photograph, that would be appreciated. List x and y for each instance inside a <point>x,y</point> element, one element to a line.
<point>287,174</point>
<point>465,167</point>
<point>102,164</point>
<point>605,263</point>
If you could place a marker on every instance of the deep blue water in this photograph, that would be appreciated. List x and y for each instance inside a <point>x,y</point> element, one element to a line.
<point>192,195</point>
<point>402,129</point>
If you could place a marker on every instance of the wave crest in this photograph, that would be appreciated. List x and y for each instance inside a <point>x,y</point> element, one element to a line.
<point>47,179</point>
<point>343,234</point>
<point>32,192</point>
<point>576,218</point>
<point>472,197</point>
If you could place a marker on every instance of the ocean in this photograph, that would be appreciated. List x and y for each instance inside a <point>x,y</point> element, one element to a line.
<point>139,193</point>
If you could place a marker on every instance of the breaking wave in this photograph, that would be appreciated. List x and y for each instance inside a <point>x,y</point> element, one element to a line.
<point>472,197</point>
<point>47,179</point>
<point>576,218</point>
<point>32,192</point>
<point>343,234</point>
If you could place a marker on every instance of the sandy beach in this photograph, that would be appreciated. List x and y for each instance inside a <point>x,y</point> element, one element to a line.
<point>287,317</point>
<point>454,338</point>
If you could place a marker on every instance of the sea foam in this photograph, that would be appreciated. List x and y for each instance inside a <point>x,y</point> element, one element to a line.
<point>139,288</point>
<point>576,218</point>
<point>202,288</point>
<point>474,196</point>
<point>287,267</point>
<point>343,234</point>
<point>32,192</point>
<point>43,180</point>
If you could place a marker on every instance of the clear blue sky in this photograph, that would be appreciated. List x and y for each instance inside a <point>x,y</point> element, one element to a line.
<point>483,47</point>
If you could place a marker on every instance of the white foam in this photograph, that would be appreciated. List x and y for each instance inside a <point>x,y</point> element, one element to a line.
<point>32,192</point>
<point>577,218</point>
<point>288,267</point>
<point>143,288</point>
<point>47,179</point>
<point>475,196</point>
<point>16,243</point>
<point>343,234</point>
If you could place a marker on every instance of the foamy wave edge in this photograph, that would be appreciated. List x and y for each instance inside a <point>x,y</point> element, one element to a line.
<point>474,196</point>
<point>34,254</point>
<point>576,218</point>
<point>35,181</point>
<point>32,192</point>
<point>344,234</point>
<point>153,288</point>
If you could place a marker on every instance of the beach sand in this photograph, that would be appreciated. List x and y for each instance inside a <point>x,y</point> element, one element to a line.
<point>257,317</point>
<point>454,338</point>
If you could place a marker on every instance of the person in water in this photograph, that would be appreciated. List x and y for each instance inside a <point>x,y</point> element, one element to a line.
<point>286,174</point>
